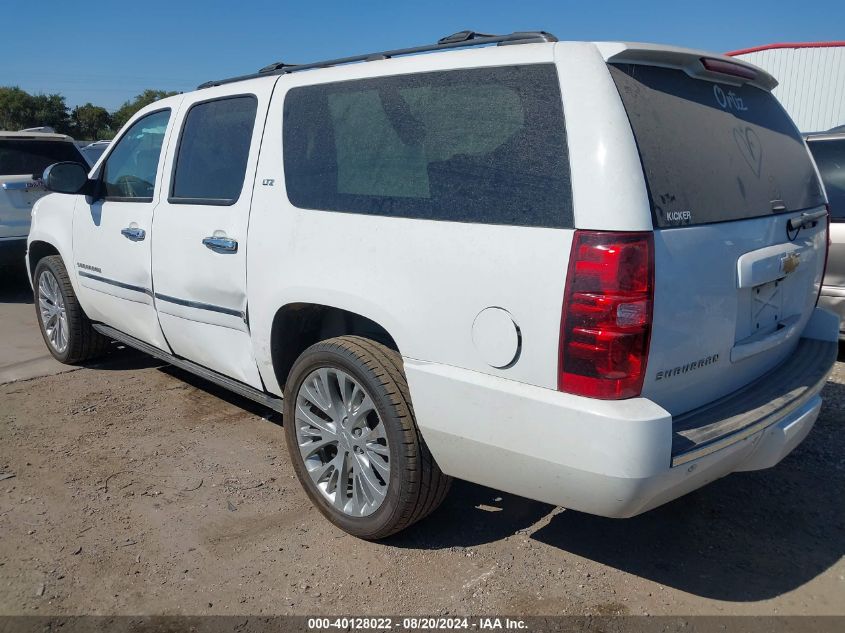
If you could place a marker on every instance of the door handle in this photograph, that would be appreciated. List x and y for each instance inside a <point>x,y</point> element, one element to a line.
<point>221,244</point>
<point>133,233</point>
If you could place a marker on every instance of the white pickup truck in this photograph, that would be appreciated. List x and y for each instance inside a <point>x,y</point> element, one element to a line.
<point>585,273</point>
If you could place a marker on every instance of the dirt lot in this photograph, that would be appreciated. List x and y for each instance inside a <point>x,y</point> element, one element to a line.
<point>139,489</point>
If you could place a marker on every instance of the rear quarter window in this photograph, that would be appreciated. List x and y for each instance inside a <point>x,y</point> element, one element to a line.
<point>480,145</point>
<point>714,152</point>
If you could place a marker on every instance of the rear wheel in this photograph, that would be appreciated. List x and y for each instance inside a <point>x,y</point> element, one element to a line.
<point>66,329</point>
<point>353,440</point>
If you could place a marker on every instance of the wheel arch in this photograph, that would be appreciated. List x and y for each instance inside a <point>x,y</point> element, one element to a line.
<point>38,250</point>
<point>51,233</point>
<point>296,326</point>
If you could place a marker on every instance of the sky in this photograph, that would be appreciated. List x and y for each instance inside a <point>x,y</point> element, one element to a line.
<point>106,53</point>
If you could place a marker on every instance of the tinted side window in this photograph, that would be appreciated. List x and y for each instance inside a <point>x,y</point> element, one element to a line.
<point>130,169</point>
<point>830,159</point>
<point>213,150</point>
<point>480,145</point>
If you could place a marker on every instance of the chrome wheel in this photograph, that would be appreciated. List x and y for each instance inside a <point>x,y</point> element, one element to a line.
<point>343,442</point>
<point>51,306</point>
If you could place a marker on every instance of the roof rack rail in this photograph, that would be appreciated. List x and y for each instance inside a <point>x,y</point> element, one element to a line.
<point>461,39</point>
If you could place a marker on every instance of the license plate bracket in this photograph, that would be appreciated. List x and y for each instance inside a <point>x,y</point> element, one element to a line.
<point>766,306</point>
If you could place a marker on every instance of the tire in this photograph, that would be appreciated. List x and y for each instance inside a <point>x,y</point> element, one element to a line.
<point>80,342</point>
<point>414,486</point>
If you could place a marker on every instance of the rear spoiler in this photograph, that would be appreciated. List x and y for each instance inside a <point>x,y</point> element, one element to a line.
<point>692,62</point>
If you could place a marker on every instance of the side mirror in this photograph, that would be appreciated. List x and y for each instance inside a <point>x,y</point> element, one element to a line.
<point>66,178</point>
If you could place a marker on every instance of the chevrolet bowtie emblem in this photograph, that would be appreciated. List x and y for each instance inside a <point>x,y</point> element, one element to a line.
<point>790,262</point>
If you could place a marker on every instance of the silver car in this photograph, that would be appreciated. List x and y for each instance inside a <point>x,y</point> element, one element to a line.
<point>24,156</point>
<point>828,149</point>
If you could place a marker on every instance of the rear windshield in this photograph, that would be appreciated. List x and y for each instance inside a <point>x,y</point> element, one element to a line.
<point>18,157</point>
<point>480,145</point>
<point>714,152</point>
<point>830,159</point>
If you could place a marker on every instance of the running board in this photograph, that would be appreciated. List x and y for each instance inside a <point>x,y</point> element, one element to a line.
<point>239,388</point>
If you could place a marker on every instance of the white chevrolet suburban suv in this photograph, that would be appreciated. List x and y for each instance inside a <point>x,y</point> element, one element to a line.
<point>585,273</point>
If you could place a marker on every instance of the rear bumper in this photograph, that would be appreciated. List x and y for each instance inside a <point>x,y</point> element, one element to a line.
<point>12,251</point>
<point>765,402</point>
<point>607,458</point>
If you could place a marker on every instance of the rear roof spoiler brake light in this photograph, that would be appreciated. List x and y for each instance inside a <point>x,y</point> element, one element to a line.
<point>728,68</point>
<point>695,63</point>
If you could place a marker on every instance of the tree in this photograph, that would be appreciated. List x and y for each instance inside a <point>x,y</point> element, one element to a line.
<point>90,121</point>
<point>16,108</point>
<point>125,112</point>
<point>50,110</point>
<point>19,110</point>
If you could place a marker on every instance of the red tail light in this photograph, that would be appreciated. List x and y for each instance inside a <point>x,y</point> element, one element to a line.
<point>607,313</point>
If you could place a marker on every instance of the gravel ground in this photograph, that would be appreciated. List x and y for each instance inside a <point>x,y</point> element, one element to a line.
<point>139,489</point>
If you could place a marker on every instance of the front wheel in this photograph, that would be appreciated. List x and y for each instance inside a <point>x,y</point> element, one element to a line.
<point>66,329</point>
<point>353,440</point>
